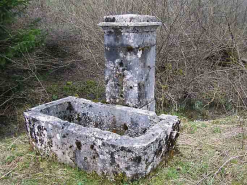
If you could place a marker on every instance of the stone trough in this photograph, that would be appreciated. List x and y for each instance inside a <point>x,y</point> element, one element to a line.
<point>107,139</point>
<point>126,139</point>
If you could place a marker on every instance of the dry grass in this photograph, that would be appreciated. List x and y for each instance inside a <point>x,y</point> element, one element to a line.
<point>208,153</point>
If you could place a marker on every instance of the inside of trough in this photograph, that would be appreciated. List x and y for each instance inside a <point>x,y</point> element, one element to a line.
<point>104,117</point>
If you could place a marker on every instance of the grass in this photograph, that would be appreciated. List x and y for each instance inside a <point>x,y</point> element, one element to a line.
<point>89,89</point>
<point>209,152</point>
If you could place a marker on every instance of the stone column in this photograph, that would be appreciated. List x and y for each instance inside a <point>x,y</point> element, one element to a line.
<point>130,42</point>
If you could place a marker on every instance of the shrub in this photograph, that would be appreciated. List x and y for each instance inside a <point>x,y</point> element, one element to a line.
<point>14,43</point>
<point>17,40</point>
<point>200,47</point>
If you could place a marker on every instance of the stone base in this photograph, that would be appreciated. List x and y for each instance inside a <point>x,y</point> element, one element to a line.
<point>108,139</point>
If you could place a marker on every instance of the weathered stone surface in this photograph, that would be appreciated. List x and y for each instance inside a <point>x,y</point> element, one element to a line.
<point>107,139</point>
<point>130,59</point>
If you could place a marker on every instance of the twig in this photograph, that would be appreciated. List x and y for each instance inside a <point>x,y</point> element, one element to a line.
<point>34,74</point>
<point>90,51</point>
<point>6,174</point>
<point>204,178</point>
<point>148,103</point>
<point>241,121</point>
<point>212,100</point>
<point>11,98</point>
<point>235,157</point>
<point>12,143</point>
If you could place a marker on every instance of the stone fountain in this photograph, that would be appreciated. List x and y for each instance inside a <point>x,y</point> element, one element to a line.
<point>124,136</point>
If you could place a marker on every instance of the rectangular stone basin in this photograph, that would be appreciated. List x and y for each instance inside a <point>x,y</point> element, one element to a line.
<point>109,139</point>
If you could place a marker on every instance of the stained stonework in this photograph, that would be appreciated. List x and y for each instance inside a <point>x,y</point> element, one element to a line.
<point>130,42</point>
<point>107,139</point>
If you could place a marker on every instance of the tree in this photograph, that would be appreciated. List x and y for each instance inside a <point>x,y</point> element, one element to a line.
<point>13,43</point>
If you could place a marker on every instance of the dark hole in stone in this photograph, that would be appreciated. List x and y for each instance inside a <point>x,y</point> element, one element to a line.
<point>94,157</point>
<point>130,49</point>
<point>121,64</point>
<point>109,19</point>
<point>159,150</point>
<point>121,95</point>
<point>127,168</point>
<point>70,118</point>
<point>138,159</point>
<point>131,87</point>
<point>70,107</point>
<point>125,149</point>
<point>50,143</point>
<point>112,159</point>
<point>125,127</point>
<point>96,125</point>
<point>64,136</point>
<point>141,91</point>
<point>78,117</point>
<point>110,32</point>
<point>92,147</point>
<point>78,144</point>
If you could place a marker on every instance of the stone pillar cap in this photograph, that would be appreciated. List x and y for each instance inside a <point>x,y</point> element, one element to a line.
<point>129,20</point>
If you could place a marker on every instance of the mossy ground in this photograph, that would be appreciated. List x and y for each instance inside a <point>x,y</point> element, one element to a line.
<point>208,152</point>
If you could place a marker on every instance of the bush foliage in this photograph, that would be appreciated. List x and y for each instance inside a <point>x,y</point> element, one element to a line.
<point>14,43</point>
